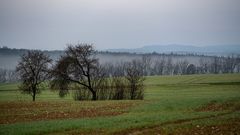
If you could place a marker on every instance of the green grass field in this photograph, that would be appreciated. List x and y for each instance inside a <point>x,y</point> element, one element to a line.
<point>172,105</point>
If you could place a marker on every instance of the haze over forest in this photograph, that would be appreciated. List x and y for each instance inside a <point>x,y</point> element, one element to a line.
<point>50,25</point>
<point>10,57</point>
<point>169,63</point>
<point>169,31</point>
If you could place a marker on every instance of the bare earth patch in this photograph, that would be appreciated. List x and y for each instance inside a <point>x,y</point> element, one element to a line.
<point>229,127</point>
<point>12,112</point>
<point>215,106</point>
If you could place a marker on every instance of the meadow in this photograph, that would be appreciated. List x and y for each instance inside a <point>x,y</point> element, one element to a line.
<point>187,104</point>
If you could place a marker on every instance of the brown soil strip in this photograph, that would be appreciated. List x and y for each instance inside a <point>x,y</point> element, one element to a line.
<point>214,106</point>
<point>12,112</point>
<point>229,128</point>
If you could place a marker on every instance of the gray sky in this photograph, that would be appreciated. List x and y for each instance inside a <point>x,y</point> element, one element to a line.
<point>51,24</point>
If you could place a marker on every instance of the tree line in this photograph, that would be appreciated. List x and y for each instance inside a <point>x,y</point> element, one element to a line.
<point>8,76</point>
<point>169,66</point>
<point>151,64</point>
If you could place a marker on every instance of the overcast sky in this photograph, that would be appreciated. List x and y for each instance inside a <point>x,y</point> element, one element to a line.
<point>51,24</point>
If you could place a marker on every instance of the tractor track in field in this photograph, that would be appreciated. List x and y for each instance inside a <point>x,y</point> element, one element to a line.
<point>232,127</point>
<point>157,129</point>
<point>228,106</point>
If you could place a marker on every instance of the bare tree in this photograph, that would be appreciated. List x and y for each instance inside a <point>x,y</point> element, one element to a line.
<point>135,78</point>
<point>33,70</point>
<point>238,63</point>
<point>204,65</point>
<point>215,66</point>
<point>3,73</point>
<point>99,84</point>
<point>183,66</point>
<point>159,66</point>
<point>169,66</point>
<point>79,66</point>
<point>230,64</point>
<point>146,64</point>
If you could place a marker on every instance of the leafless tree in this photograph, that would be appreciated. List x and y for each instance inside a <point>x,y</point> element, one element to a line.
<point>159,66</point>
<point>215,65</point>
<point>183,66</point>
<point>135,78</point>
<point>146,64</point>
<point>204,65</point>
<point>8,75</point>
<point>238,63</point>
<point>33,69</point>
<point>169,66</point>
<point>3,73</point>
<point>79,66</point>
<point>230,64</point>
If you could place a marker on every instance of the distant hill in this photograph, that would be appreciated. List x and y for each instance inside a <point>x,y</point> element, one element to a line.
<point>183,49</point>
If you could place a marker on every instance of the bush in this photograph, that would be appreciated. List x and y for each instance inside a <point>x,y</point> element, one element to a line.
<point>82,93</point>
<point>116,88</point>
<point>119,88</point>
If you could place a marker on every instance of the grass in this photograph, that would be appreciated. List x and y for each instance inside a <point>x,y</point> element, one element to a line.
<point>169,100</point>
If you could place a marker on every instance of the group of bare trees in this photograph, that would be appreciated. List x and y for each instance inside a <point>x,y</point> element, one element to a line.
<point>78,69</point>
<point>216,65</point>
<point>173,66</point>
<point>116,87</point>
<point>8,75</point>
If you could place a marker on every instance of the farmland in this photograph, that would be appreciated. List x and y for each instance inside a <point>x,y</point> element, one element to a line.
<point>188,104</point>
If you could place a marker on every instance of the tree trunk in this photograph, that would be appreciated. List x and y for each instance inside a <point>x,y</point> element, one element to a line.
<point>34,97</point>
<point>94,95</point>
<point>34,94</point>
